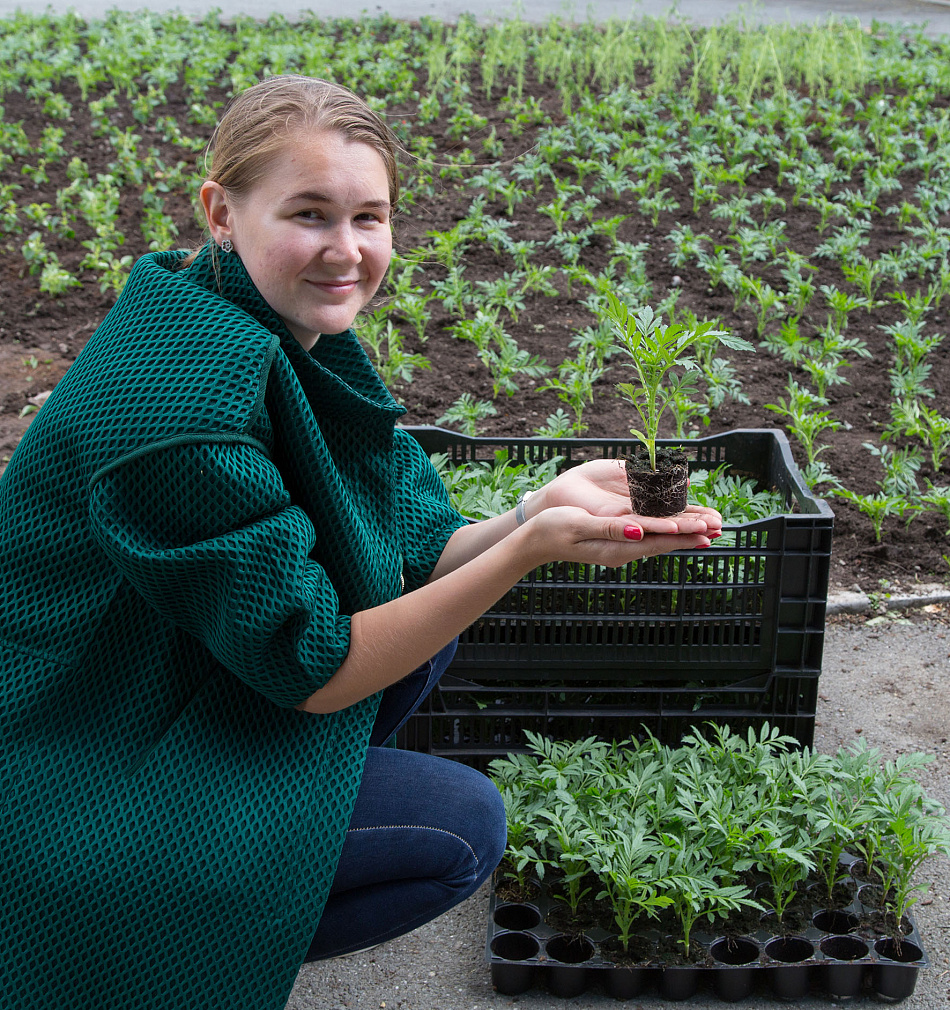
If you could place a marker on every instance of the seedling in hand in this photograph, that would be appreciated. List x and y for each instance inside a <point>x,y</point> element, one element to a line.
<point>664,373</point>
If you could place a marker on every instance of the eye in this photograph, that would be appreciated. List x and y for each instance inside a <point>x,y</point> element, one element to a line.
<point>373,217</point>
<point>309,215</point>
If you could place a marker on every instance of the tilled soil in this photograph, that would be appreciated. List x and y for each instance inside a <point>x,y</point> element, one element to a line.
<point>40,336</point>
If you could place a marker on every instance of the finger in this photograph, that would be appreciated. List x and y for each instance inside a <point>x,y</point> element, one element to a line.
<point>620,528</point>
<point>665,540</point>
<point>710,517</point>
<point>661,543</point>
<point>693,513</point>
<point>703,509</point>
<point>680,523</point>
<point>598,544</point>
<point>649,544</point>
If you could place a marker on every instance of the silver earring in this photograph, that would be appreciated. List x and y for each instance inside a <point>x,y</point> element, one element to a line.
<point>226,246</point>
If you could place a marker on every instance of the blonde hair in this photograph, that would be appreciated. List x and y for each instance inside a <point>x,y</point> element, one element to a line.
<point>260,121</point>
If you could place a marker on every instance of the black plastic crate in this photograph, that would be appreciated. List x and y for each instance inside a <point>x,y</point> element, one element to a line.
<point>755,604</point>
<point>477,720</point>
<point>736,629</point>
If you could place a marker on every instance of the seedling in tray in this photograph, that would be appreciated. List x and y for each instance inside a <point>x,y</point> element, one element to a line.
<point>624,861</point>
<point>658,479</point>
<point>654,856</point>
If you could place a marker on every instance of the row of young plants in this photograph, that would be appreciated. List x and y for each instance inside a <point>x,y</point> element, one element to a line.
<point>666,376</point>
<point>632,835</point>
<point>731,178</point>
<point>790,320</point>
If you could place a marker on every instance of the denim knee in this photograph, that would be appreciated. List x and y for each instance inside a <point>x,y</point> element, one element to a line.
<point>409,810</point>
<point>425,834</point>
<point>488,831</point>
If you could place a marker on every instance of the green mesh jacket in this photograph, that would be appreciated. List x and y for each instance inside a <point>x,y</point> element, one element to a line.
<point>184,531</point>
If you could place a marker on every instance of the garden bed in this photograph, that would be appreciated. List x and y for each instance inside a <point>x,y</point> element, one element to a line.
<point>790,183</point>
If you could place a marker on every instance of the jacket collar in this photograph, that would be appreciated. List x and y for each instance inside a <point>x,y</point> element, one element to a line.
<point>335,360</point>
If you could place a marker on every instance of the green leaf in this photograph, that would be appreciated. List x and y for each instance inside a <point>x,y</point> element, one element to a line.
<point>734,342</point>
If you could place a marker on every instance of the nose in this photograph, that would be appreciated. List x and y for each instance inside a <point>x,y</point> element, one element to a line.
<point>342,245</point>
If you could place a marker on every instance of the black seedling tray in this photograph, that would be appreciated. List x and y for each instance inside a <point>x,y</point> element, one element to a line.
<point>836,956</point>
<point>731,633</point>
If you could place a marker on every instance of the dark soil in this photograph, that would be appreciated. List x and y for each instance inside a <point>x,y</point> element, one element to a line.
<point>40,336</point>
<point>591,913</point>
<point>639,951</point>
<point>879,923</point>
<point>796,917</point>
<point>507,888</point>
<point>842,895</point>
<point>661,492</point>
<point>672,953</point>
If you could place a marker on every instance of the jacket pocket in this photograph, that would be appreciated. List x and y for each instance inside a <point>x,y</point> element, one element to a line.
<point>169,727</point>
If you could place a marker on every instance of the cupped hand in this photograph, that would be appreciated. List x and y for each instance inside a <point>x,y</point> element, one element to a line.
<point>569,533</point>
<point>599,487</point>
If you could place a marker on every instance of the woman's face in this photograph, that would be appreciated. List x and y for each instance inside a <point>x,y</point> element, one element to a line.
<point>314,234</point>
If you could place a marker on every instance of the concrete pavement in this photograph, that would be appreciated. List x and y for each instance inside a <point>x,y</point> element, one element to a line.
<point>935,14</point>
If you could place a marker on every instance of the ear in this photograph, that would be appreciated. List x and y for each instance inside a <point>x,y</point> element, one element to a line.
<point>214,202</point>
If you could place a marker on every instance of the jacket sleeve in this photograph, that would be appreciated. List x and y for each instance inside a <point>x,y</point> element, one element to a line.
<point>425,514</point>
<point>207,535</point>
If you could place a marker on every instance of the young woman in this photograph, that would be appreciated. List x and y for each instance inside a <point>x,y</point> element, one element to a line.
<point>226,579</point>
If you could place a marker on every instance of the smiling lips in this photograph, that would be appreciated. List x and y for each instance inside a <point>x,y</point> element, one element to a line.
<point>336,285</point>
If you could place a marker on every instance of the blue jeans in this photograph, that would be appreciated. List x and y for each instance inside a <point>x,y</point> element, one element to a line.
<point>425,833</point>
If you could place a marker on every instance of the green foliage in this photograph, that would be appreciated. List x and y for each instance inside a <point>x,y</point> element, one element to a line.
<point>54,280</point>
<point>898,493</point>
<point>736,498</point>
<point>936,499</point>
<point>506,360</point>
<point>624,859</point>
<point>466,412</point>
<point>560,424</point>
<point>825,355</point>
<point>805,422</point>
<point>679,831</point>
<point>386,343</point>
<point>655,352</point>
<point>877,506</point>
<point>575,385</point>
<point>769,304</point>
<point>481,490</point>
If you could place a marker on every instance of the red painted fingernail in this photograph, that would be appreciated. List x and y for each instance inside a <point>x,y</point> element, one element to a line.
<point>633,532</point>
<point>712,536</point>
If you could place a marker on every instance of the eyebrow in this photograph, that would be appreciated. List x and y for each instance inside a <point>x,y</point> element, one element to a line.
<point>310,196</point>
